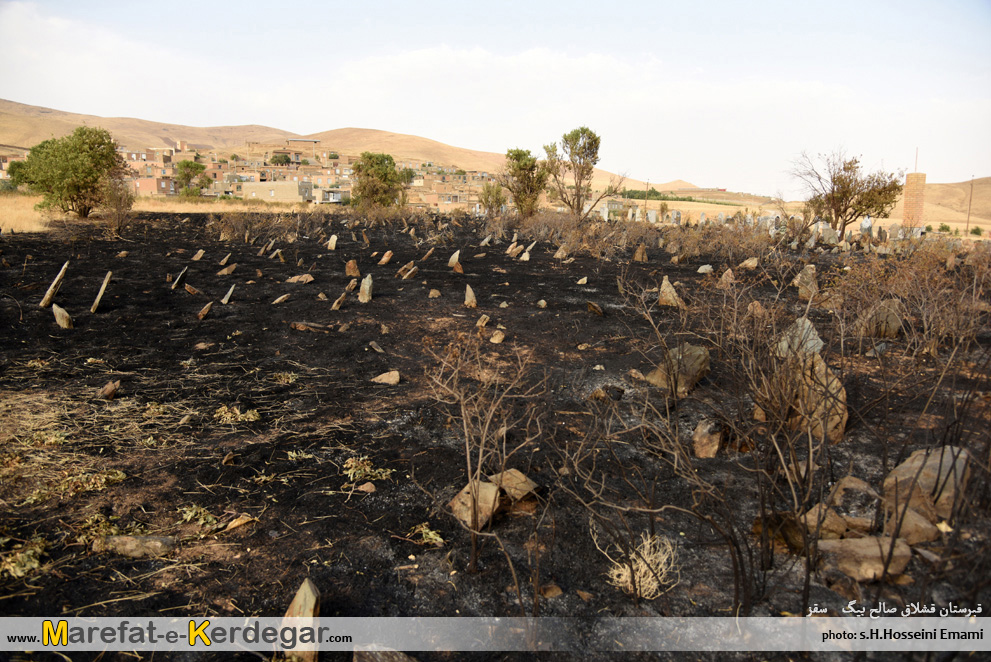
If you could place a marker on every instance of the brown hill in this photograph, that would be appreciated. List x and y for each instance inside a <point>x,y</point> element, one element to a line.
<point>26,126</point>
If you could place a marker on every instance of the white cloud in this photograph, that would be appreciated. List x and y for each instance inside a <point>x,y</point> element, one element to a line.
<point>658,119</point>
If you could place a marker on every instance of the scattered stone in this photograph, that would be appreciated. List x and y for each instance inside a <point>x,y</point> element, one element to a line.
<point>707,438</point>
<point>914,527</point>
<point>352,285</point>
<point>302,278</point>
<point>99,296</point>
<point>594,308</point>
<point>57,283</point>
<point>756,310</point>
<point>367,488</point>
<point>321,297</point>
<point>818,399</point>
<point>309,326</point>
<point>705,269</point>
<point>375,346</point>
<point>726,280</point>
<point>512,247</point>
<point>405,269</point>
<point>225,260</point>
<point>805,281</point>
<point>929,482</point>
<point>863,559</point>
<point>561,253</point>
<point>365,293</point>
<point>199,255</point>
<point>684,367</point>
<point>541,304</point>
<point>525,257</point>
<point>428,254</point>
<point>470,301</point>
<point>749,263</point>
<point>122,254</point>
<point>641,254</point>
<point>433,294</point>
<point>339,301</point>
<point>227,297</point>
<point>485,242</point>
<point>305,604</point>
<point>667,296</point>
<point>239,521</point>
<point>135,547</point>
<point>351,269</point>
<point>504,304</point>
<point>62,318</point>
<point>549,591</point>
<point>281,299</point>
<point>637,375</point>
<point>109,390</point>
<point>883,320</point>
<point>482,321</point>
<point>332,243</point>
<point>514,483</point>
<point>486,503</point>
<point>799,339</point>
<point>390,378</point>
<point>228,270</point>
<point>824,521</point>
<point>454,259</point>
<point>204,311</point>
<point>497,337</point>
<point>386,258</point>
<point>855,501</point>
<point>458,269</point>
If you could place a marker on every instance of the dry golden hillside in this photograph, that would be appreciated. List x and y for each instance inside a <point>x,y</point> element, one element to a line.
<point>947,203</point>
<point>25,126</point>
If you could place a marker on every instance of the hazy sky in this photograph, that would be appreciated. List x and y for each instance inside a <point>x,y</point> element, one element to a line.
<point>723,94</point>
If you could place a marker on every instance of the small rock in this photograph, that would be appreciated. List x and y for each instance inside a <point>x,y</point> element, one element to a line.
<point>514,483</point>
<point>454,259</point>
<point>434,294</point>
<point>594,308</point>
<point>109,390</point>
<point>805,281</point>
<point>855,501</point>
<point>486,504</point>
<point>390,378</point>
<point>541,304</point>
<point>749,263</point>
<point>351,269</point>
<point>863,559</point>
<point>135,547</point>
<point>667,296</point>
<point>497,337</point>
<point>583,280</point>
<point>831,526</point>
<point>470,301</point>
<point>705,269</point>
<point>707,438</point>
<point>911,525</point>
<point>726,280</point>
<point>685,365</point>
<point>386,258</point>
<point>931,483</point>
<point>302,278</point>
<point>799,339</point>
<point>365,293</point>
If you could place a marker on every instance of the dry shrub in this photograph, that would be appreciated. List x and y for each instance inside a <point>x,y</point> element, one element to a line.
<point>648,571</point>
<point>944,306</point>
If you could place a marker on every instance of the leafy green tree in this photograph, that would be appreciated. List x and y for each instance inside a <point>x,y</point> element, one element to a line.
<point>525,177</point>
<point>235,158</point>
<point>377,182</point>
<point>280,159</point>
<point>71,172</point>
<point>572,168</point>
<point>840,191</point>
<point>184,174</point>
<point>491,198</point>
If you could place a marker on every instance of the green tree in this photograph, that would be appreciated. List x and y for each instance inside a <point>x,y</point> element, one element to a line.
<point>572,168</point>
<point>235,158</point>
<point>491,198</point>
<point>377,182</point>
<point>525,177</point>
<point>184,174</point>
<point>72,172</point>
<point>280,159</point>
<point>840,191</point>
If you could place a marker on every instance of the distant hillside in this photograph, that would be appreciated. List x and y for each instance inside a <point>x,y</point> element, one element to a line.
<point>26,126</point>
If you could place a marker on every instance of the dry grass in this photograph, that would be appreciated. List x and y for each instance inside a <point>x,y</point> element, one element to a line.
<point>17,213</point>
<point>176,205</point>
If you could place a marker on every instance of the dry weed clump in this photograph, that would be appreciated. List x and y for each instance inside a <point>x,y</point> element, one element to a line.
<point>648,571</point>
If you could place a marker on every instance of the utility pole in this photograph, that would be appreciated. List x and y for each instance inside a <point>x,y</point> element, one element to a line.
<point>969,202</point>
<point>646,192</point>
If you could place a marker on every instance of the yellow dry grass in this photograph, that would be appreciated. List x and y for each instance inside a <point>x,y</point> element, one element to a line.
<point>17,213</point>
<point>166,205</point>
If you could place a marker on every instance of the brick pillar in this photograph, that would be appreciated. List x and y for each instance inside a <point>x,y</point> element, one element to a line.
<point>915,197</point>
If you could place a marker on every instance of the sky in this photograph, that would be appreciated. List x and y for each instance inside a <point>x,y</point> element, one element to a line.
<point>720,94</point>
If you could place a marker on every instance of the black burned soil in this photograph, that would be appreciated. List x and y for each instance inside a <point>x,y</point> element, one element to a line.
<point>165,458</point>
